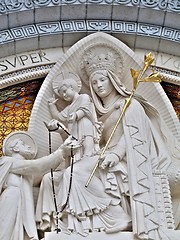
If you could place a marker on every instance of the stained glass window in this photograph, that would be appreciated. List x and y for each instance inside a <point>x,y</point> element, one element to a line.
<point>16,103</point>
<point>173,93</point>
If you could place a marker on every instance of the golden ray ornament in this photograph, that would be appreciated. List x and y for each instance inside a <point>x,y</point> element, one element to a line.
<point>137,76</point>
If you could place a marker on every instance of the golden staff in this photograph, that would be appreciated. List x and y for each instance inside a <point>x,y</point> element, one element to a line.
<point>137,78</point>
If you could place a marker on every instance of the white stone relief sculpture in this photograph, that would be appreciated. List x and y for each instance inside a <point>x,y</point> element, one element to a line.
<point>92,209</point>
<point>79,116</point>
<point>121,195</point>
<point>17,220</point>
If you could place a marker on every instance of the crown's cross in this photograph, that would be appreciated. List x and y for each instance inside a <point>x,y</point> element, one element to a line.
<point>137,76</point>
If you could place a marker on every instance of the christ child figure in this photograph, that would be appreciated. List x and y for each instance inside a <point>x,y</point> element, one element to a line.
<point>79,117</point>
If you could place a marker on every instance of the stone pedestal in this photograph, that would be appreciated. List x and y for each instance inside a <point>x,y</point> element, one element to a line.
<point>168,234</point>
<point>91,236</point>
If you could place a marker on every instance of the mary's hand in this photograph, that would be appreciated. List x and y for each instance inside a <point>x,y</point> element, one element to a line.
<point>110,160</point>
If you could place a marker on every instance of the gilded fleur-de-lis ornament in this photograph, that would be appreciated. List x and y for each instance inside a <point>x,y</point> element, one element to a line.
<point>137,75</point>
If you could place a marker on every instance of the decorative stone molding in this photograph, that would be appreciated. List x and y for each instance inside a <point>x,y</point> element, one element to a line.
<point>33,72</point>
<point>18,5</point>
<point>170,78</point>
<point>164,202</point>
<point>167,75</point>
<point>122,27</point>
<point>24,75</point>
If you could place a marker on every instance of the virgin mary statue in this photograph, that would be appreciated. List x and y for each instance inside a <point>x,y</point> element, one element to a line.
<point>129,190</point>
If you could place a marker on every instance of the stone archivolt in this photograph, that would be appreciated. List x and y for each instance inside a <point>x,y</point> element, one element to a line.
<point>6,7</point>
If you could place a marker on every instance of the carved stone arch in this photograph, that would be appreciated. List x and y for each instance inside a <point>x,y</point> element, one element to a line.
<point>71,61</point>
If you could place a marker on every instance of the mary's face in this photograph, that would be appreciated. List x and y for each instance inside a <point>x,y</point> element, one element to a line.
<point>101,84</point>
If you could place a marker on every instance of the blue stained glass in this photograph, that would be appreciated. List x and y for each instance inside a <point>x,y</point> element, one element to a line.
<point>17,104</point>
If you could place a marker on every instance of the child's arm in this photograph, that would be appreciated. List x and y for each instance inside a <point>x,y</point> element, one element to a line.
<point>84,109</point>
<point>86,106</point>
<point>75,116</point>
<point>79,114</point>
<point>52,107</point>
<point>54,111</point>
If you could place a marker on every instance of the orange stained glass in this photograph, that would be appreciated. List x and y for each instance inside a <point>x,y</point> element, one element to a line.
<point>16,103</point>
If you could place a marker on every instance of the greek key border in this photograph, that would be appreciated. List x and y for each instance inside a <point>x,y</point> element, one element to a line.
<point>49,28</point>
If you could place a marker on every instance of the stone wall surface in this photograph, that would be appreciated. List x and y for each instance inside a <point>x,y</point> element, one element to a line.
<point>30,25</point>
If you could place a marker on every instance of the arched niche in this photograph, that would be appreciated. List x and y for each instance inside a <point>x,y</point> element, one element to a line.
<point>71,61</point>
